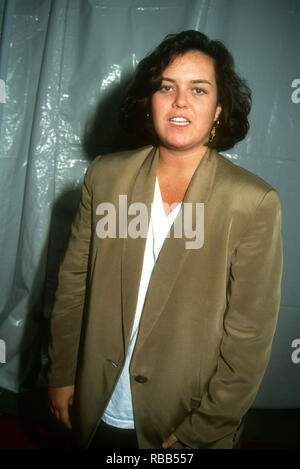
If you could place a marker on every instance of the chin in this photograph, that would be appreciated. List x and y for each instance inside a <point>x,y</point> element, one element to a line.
<point>179,146</point>
<point>176,143</point>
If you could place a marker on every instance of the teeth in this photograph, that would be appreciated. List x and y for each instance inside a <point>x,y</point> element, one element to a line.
<point>180,120</point>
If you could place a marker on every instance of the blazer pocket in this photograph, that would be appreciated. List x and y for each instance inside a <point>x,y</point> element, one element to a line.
<point>195,402</point>
<point>177,445</point>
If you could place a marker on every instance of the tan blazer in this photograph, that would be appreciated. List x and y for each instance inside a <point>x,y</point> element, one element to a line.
<point>209,317</point>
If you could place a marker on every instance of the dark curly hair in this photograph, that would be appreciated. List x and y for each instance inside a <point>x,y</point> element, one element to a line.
<point>233,93</point>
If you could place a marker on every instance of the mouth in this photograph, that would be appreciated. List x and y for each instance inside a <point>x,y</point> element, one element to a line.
<point>179,121</point>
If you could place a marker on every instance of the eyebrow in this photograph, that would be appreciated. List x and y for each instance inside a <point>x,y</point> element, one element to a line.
<point>191,81</point>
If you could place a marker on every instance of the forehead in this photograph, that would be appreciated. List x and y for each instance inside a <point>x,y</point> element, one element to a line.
<point>193,65</point>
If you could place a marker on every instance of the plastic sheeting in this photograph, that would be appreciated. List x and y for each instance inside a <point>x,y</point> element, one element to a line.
<point>63,64</point>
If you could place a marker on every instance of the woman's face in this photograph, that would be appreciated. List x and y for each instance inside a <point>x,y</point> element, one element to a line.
<point>185,106</point>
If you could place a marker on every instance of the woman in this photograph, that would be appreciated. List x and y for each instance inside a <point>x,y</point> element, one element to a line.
<point>157,342</point>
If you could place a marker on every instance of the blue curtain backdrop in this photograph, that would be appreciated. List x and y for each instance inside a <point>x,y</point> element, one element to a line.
<point>63,65</point>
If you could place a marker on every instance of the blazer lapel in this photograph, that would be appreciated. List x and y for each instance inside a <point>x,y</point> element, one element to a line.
<point>174,252</point>
<point>133,249</point>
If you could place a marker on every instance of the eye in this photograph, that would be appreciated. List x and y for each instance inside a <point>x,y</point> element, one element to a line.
<point>166,88</point>
<point>198,91</point>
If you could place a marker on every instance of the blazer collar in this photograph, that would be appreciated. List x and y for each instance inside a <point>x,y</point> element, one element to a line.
<point>173,252</point>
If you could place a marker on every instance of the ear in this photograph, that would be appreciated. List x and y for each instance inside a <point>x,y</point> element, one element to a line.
<point>218,112</point>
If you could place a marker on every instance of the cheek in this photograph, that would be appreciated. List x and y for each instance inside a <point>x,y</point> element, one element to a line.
<point>207,111</point>
<point>158,110</point>
<point>157,106</point>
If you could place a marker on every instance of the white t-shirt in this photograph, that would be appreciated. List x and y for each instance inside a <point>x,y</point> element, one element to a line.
<point>119,411</point>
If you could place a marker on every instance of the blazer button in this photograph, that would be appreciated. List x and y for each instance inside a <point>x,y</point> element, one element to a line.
<point>141,379</point>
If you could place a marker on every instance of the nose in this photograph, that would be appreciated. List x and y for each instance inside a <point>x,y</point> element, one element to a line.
<point>180,100</point>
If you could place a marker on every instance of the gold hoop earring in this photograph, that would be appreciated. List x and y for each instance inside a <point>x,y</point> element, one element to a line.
<point>213,131</point>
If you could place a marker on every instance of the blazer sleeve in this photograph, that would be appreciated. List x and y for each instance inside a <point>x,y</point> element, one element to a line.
<point>66,317</point>
<point>253,301</point>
